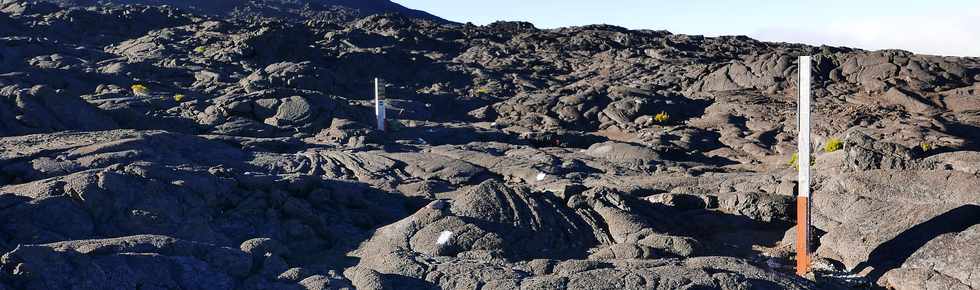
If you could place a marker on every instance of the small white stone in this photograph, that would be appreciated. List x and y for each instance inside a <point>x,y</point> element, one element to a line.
<point>444,237</point>
<point>541,176</point>
<point>438,204</point>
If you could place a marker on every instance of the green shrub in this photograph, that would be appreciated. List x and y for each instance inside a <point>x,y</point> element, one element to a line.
<point>200,49</point>
<point>661,117</point>
<point>833,144</point>
<point>179,97</point>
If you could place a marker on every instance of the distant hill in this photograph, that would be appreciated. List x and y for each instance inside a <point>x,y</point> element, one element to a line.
<point>271,8</point>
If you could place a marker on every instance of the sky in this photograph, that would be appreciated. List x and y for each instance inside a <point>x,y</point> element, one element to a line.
<point>940,27</point>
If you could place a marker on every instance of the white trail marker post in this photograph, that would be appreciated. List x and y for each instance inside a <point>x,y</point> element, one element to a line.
<point>379,102</point>
<point>803,160</point>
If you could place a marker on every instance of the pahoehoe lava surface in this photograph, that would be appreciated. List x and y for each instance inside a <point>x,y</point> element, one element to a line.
<point>231,145</point>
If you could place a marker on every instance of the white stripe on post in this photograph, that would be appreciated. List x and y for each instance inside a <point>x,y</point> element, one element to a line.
<point>804,140</point>
<point>379,105</point>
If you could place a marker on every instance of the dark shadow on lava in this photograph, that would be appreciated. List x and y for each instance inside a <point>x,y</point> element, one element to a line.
<point>562,138</point>
<point>701,141</point>
<point>768,138</point>
<point>893,253</point>
<point>371,210</point>
<point>399,282</point>
<point>967,132</point>
<point>720,233</point>
<point>8,200</point>
<point>687,108</point>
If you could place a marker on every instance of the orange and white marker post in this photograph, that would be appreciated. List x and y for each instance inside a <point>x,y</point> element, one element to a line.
<point>803,157</point>
<point>379,102</point>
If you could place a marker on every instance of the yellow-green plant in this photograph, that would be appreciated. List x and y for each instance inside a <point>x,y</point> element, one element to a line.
<point>661,117</point>
<point>926,146</point>
<point>795,161</point>
<point>833,144</point>
<point>200,49</point>
<point>179,97</point>
<point>140,90</point>
<point>483,90</point>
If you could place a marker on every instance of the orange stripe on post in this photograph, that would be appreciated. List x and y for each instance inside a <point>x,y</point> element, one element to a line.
<point>802,235</point>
